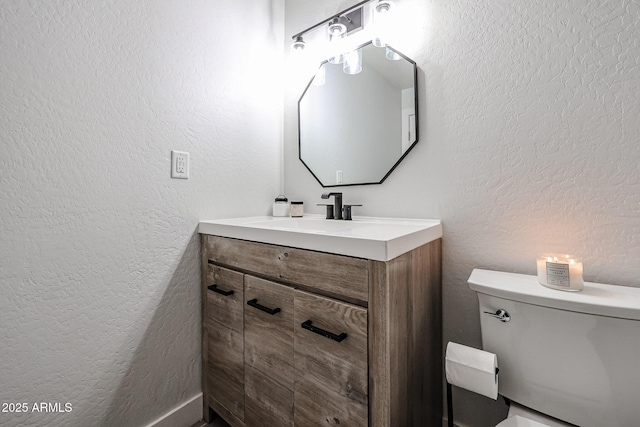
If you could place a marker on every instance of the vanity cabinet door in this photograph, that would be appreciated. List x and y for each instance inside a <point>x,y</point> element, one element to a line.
<point>268,353</point>
<point>224,325</point>
<point>330,345</point>
<point>225,368</point>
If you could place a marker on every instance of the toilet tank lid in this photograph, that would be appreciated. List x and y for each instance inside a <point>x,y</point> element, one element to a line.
<point>596,298</point>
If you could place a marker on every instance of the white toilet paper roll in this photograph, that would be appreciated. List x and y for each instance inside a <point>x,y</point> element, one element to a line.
<point>472,369</point>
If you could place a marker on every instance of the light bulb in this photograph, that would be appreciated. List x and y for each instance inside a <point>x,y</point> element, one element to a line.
<point>382,23</point>
<point>353,62</point>
<point>392,55</point>
<point>336,32</point>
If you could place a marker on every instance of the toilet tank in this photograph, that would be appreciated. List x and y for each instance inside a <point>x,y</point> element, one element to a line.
<point>572,355</point>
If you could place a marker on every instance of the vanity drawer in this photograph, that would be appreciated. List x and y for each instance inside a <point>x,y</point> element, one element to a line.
<point>330,362</point>
<point>337,275</point>
<point>225,297</point>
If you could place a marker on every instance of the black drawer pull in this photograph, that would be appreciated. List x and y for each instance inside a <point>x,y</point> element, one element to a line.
<point>215,289</point>
<point>254,303</point>
<point>307,325</point>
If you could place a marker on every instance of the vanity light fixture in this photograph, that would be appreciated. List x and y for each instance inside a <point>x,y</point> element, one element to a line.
<point>384,6</point>
<point>336,28</point>
<point>298,44</point>
<point>336,31</point>
<point>381,22</point>
<point>337,35</point>
<point>339,26</point>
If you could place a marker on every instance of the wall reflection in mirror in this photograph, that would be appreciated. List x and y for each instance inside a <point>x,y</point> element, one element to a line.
<point>357,120</point>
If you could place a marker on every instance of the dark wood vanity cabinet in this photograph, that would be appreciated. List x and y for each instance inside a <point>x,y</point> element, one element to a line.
<point>293,337</point>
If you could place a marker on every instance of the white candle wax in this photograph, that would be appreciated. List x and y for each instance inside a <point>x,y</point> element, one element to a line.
<point>560,272</point>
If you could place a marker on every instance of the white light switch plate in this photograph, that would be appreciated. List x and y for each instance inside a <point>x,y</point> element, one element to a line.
<point>179,164</point>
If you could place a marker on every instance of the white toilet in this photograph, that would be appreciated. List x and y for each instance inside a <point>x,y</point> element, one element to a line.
<point>564,357</point>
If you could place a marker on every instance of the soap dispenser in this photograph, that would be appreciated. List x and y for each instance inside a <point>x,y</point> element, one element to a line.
<point>281,206</point>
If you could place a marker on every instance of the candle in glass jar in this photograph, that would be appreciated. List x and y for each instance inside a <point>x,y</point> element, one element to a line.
<point>562,272</point>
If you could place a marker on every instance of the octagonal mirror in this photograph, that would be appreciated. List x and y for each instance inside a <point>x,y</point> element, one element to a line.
<point>354,129</point>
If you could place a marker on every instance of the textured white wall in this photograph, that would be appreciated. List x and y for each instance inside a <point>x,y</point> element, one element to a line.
<point>99,255</point>
<point>529,142</point>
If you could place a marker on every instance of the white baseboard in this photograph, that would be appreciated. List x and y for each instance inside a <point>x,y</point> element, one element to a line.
<point>184,415</point>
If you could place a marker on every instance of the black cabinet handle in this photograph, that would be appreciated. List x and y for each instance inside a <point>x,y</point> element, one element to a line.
<point>215,289</point>
<point>307,325</point>
<point>254,303</point>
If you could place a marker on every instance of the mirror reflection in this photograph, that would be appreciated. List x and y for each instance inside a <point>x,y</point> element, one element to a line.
<point>356,128</point>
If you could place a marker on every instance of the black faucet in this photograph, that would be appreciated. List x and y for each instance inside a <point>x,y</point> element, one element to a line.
<point>337,204</point>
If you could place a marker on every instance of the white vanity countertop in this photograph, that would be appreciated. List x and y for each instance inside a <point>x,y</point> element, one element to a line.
<point>380,239</point>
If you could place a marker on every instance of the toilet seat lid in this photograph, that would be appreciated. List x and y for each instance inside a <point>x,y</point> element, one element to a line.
<point>518,421</point>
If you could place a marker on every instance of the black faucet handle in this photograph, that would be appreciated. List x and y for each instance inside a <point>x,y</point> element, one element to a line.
<point>347,212</point>
<point>327,195</point>
<point>329,210</point>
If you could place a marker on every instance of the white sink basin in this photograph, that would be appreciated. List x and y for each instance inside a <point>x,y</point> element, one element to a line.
<point>380,239</point>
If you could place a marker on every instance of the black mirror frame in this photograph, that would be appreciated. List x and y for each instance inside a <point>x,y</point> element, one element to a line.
<point>415,85</point>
